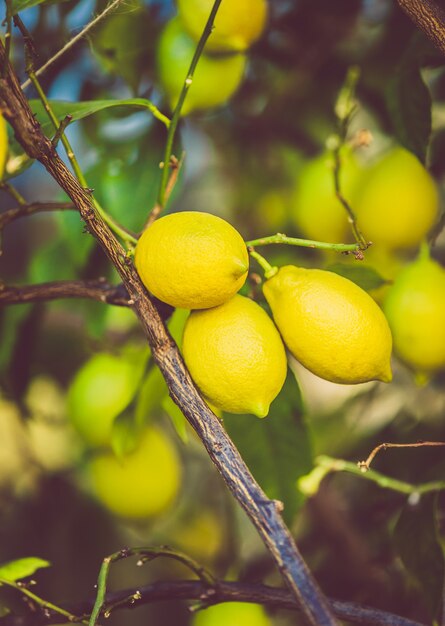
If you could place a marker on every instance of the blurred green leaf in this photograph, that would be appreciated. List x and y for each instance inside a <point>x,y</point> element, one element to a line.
<point>22,568</point>
<point>21,5</point>
<point>124,434</point>
<point>178,420</point>
<point>150,396</point>
<point>409,105</point>
<point>416,539</point>
<point>80,110</point>
<point>277,448</point>
<point>362,275</point>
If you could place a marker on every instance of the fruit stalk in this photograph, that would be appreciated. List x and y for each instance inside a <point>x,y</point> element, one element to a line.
<point>304,243</point>
<point>263,513</point>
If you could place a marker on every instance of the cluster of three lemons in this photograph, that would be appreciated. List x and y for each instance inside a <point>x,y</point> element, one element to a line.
<point>234,351</point>
<point>222,65</point>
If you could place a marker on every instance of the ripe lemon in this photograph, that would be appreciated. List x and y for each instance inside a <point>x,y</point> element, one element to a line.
<point>238,23</point>
<point>143,483</point>
<point>192,260</point>
<point>232,614</point>
<point>101,389</point>
<point>398,201</point>
<point>215,79</point>
<point>415,308</point>
<point>316,211</point>
<point>333,327</point>
<point>235,356</point>
<point>3,145</point>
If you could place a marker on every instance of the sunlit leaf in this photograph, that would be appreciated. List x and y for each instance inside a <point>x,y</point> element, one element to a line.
<point>22,568</point>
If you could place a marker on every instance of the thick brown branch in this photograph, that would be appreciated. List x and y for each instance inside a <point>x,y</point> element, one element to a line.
<point>29,209</point>
<point>98,290</point>
<point>429,17</point>
<point>263,513</point>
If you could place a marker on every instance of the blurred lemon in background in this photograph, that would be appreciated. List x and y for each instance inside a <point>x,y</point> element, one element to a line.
<point>415,308</point>
<point>141,484</point>
<point>232,614</point>
<point>238,23</point>
<point>215,79</point>
<point>3,145</point>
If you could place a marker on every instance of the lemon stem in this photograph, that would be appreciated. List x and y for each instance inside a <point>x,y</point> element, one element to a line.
<point>424,252</point>
<point>177,112</point>
<point>304,243</point>
<point>269,270</point>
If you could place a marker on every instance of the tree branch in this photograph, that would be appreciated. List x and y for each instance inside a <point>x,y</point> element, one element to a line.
<point>98,290</point>
<point>429,17</point>
<point>24,210</point>
<point>263,512</point>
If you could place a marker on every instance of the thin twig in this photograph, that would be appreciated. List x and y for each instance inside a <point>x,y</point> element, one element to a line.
<point>24,210</point>
<point>98,290</point>
<point>113,5</point>
<point>12,191</point>
<point>44,604</point>
<point>144,555</point>
<point>365,465</point>
<point>182,96</point>
<point>304,243</point>
<point>175,167</point>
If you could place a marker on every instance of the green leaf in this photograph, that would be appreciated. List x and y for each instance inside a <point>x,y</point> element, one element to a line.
<point>362,275</point>
<point>178,420</point>
<point>80,110</point>
<point>22,568</point>
<point>277,449</point>
<point>417,541</point>
<point>21,5</point>
<point>125,434</point>
<point>409,105</point>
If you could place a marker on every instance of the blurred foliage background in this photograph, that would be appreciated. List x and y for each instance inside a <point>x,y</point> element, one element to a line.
<point>243,162</point>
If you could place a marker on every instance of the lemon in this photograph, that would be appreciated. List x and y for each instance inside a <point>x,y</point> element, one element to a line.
<point>238,23</point>
<point>415,308</point>
<point>192,260</point>
<point>3,145</point>
<point>215,79</point>
<point>232,614</point>
<point>333,327</point>
<point>101,389</point>
<point>235,356</point>
<point>316,211</point>
<point>398,201</point>
<point>143,483</point>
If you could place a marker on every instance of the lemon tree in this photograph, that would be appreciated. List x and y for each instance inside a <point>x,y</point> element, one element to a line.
<point>415,308</point>
<point>192,260</point>
<point>237,25</point>
<point>215,80</point>
<point>235,356</point>
<point>333,327</point>
<point>101,389</point>
<point>141,484</point>
<point>397,202</point>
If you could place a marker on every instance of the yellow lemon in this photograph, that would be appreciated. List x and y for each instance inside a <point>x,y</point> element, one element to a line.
<point>238,23</point>
<point>316,211</point>
<point>101,389</point>
<point>142,484</point>
<point>215,79</point>
<point>333,327</point>
<point>192,260</point>
<point>235,356</point>
<point>415,308</point>
<point>398,201</point>
<point>3,145</point>
<point>232,614</point>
